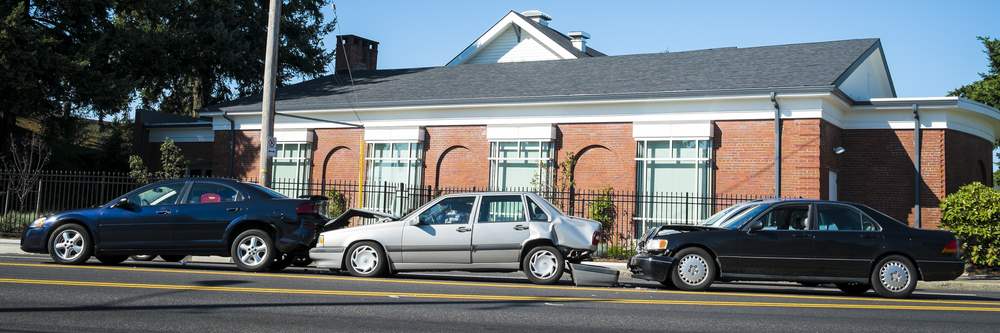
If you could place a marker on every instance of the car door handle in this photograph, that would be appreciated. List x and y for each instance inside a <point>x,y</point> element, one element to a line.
<point>233,209</point>
<point>803,236</point>
<point>520,227</point>
<point>463,229</point>
<point>163,212</point>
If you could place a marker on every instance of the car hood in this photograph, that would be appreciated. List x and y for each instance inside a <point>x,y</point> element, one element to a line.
<point>87,212</point>
<point>345,218</point>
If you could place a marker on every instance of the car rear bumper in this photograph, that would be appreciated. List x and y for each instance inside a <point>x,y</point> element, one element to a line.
<point>327,257</point>
<point>33,240</point>
<point>650,267</point>
<point>935,270</point>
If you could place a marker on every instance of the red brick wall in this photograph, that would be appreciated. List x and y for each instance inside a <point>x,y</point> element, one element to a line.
<point>606,154</point>
<point>456,156</point>
<point>335,155</point>
<point>877,170</point>
<point>246,154</point>
<point>968,158</point>
<point>744,157</point>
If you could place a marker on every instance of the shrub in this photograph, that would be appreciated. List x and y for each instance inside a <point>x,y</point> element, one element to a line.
<point>602,209</point>
<point>619,252</point>
<point>337,204</point>
<point>973,213</point>
<point>14,222</point>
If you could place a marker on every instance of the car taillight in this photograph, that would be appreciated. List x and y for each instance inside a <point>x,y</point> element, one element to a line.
<point>306,208</point>
<point>951,248</point>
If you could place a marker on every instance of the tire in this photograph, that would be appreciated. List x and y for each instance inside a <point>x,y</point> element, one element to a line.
<point>693,270</point>
<point>543,265</point>
<point>668,283</point>
<point>366,259</point>
<point>143,257</point>
<point>854,288</point>
<point>70,244</point>
<point>894,277</point>
<point>110,259</point>
<point>173,257</point>
<point>302,261</point>
<point>253,251</point>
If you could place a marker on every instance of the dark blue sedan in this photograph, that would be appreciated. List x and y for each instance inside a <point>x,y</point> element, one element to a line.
<point>259,228</point>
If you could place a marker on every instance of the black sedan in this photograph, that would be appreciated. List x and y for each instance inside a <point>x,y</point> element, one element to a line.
<point>807,241</point>
<point>260,228</point>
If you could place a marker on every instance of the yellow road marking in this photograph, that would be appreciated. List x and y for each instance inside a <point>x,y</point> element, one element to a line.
<point>507,298</point>
<point>179,270</point>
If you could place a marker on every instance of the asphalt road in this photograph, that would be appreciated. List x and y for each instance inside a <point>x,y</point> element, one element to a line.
<point>38,296</point>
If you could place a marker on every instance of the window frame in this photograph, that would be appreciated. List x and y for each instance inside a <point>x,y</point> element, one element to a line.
<point>413,160</point>
<point>702,162</point>
<point>182,193</point>
<point>481,206</point>
<point>527,210</point>
<point>303,167</point>
<point>544,161</point>
<point>863,215</point>
<point>240,196</point>
<point>473,214</point>
<point>810,226</point>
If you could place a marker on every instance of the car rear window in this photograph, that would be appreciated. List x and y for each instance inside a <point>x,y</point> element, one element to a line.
<point>268,192</point>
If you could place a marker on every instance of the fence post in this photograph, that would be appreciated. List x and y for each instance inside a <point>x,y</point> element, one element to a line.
<point>572,199</point>
<point>686,208</point>
<point>38,198</point>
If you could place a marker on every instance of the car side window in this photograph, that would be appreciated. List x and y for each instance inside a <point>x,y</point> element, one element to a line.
<point>157,195</point>
<point>535,212</point>
<point>207,193</point>
<point>501,208</point>
<point>787,218</point>
<point>455,210</point>
<point>840,218</point>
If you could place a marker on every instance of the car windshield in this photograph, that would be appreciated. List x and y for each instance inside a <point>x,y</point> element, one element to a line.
<point>735,218</point>
<point>711,220</point>
<point>269,192</point>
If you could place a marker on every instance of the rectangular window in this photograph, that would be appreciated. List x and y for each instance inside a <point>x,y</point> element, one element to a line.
<point>524,165</point>
<point>673,180</point>
<point>291,167</point>
<point>393,164</point>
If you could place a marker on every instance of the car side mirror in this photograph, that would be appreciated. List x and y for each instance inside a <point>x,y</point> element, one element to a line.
<point>123,204</point>
<point>756,225</point>
<point>413,222</point>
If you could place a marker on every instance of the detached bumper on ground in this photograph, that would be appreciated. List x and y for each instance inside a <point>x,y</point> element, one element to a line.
<point>650,267</point>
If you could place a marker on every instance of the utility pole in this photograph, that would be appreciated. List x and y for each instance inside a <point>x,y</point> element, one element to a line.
<point>268,148</point>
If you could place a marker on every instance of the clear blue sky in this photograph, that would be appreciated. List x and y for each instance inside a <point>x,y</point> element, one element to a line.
<point>931,46</point>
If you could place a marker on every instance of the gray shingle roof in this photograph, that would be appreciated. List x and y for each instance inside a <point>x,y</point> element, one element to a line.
<point>561,39</point>
<point>703,72</point>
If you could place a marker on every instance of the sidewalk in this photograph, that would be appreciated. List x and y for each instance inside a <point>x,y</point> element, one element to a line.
<point>964,283</point>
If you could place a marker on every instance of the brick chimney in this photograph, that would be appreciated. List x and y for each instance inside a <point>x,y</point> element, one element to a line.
<point>356,53</point>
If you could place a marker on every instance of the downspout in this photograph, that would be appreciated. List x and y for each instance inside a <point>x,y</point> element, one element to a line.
<point>232,144</point>
<point>916,166</point>
<point>777,145</point>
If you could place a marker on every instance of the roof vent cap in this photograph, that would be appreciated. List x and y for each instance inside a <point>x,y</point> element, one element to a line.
<point>537,16</point>
<point>579,40</point>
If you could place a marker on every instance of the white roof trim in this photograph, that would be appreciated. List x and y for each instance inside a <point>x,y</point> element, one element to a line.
<point>510,19</point>
<point>654,130</point>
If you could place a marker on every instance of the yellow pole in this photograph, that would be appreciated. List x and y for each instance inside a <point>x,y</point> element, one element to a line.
<point>361,173</point>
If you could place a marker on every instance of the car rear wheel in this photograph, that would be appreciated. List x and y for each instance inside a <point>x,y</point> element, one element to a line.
<point>173,257</point>
<point>894,277</point>
<point>543,265</point>
<point>144,257</point>
<point>70,244</point>
<point>854,288</point>
<point>366,259</point>
<point>694,270</point>
<point>111,260</point>
<point>253,251</point>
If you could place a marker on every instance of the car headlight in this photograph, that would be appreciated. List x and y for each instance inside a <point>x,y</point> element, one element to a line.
<point>38,222</point>
<point>320,241</point>
<point>656,245</point>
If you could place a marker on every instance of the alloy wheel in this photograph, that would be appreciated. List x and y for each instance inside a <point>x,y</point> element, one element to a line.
<point>894,276</point>
<point>252,251</point>
<point>69,245</point>
<point>692,269</point>
<point>543,264</point>
<point>364,259</point>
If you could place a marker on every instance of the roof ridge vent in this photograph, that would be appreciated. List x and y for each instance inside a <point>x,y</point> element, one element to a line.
<point>537,16</point>
<point>579,39</point>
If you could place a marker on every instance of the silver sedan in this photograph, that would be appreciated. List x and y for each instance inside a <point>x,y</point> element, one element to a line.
<point>490,231</point>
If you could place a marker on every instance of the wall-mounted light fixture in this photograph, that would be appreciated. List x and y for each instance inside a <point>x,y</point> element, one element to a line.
<point>839,150</point>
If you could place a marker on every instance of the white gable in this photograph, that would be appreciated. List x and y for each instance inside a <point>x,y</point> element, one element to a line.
<point>869,80</point>
<point>509,40</point>
<point>510,47</point>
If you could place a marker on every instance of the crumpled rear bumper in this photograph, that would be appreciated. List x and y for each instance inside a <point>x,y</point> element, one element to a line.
<point>650,267</point>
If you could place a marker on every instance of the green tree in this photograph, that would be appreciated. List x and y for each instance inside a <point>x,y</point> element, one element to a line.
<point>172,164</point>
<point>973,213</point>
<point>987,89</point>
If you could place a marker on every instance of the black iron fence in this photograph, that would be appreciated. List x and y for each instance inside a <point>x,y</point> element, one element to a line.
<point>624,214</point>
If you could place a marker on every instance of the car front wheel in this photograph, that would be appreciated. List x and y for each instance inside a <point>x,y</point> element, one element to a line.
<point>70,244</point>
<point>543,265</point>
<point>894,277</point>
<point>694,270</point>
<point>366,259</point>
<point>253,251</point>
